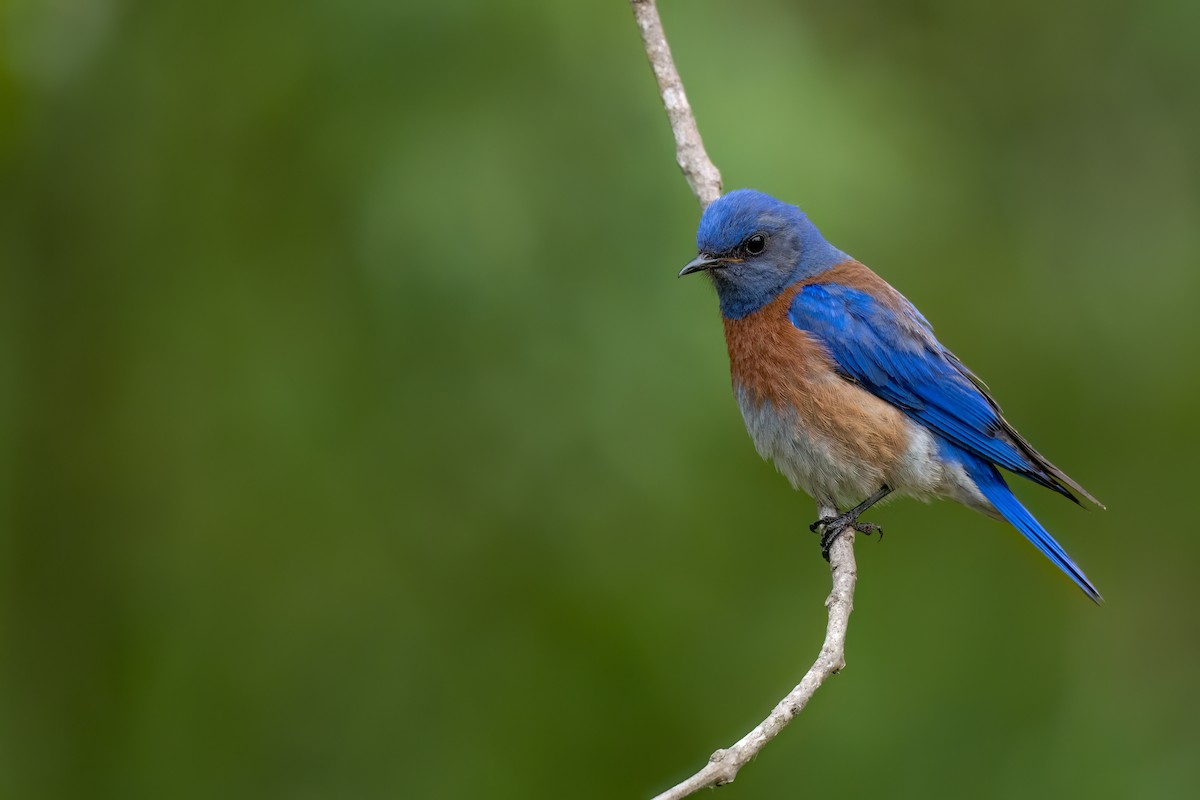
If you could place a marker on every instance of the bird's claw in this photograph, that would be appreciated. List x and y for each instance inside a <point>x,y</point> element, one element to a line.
<point>867,528</point>
<point>833,527</point>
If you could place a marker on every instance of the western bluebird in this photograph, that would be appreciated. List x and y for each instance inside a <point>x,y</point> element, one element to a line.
<point>843,385</point>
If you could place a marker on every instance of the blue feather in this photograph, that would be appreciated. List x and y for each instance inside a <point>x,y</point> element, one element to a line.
<point>993,487</point>
<point>894,355</point>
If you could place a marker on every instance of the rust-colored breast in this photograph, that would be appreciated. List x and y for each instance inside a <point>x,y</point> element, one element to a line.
<point>770,357</point>
<point>773,361</point>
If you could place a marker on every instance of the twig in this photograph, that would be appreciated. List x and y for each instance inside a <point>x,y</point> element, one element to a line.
<point>702,175</point>
<point>705,181</point>
<point>723,765</point>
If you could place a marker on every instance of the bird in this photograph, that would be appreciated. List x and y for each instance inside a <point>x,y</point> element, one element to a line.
<point>844,386</point>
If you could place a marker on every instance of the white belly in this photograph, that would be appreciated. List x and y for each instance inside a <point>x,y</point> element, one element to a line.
<point>815,463</point>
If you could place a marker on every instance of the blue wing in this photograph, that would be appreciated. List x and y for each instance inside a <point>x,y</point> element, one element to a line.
<point>892,353</point>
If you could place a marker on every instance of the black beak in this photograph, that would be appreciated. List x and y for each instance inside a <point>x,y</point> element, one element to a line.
<point>700,263</point>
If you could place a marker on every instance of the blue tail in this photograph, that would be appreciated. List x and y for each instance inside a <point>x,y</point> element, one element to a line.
<point>989,481</point>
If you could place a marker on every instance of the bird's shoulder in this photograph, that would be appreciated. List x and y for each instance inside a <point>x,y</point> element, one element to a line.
<point>852,291</point>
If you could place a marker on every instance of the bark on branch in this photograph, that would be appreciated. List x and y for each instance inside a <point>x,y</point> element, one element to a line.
<point>705,180</point>
<point>701,173</point>
<point>723,765</point>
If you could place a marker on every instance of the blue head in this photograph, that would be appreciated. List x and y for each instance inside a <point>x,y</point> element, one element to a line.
<point>754,246</point>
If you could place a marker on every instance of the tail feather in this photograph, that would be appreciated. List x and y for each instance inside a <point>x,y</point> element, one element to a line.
<point>993,487</point>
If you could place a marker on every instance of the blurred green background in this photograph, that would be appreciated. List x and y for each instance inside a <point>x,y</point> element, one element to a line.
<point>357,439</point>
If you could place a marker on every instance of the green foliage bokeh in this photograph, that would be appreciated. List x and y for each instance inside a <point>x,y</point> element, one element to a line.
<point>357,440</point>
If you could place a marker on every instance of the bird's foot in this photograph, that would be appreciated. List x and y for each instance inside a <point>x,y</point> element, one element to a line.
<point>831,528</point>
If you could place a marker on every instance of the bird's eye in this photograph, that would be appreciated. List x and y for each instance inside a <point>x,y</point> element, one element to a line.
<point>755,244</point>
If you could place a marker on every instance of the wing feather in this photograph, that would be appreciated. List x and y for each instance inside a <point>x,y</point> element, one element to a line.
<point>890,350</point>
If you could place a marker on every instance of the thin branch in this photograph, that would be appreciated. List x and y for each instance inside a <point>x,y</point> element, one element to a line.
<point>705,180</point>
<point>701,173</point>
<point>723,765</point>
